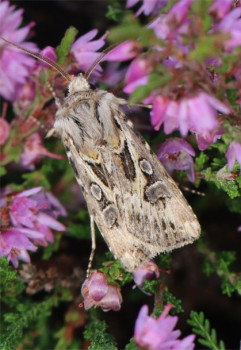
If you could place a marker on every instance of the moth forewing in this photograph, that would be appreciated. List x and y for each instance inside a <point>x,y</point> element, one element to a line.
<point>136,205</point>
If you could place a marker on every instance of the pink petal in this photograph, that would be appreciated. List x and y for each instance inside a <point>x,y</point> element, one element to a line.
<point>98,286</point>
<point>50,222</point>
<point>84,39</point>
<point>29,192</point>
<point>124,52</point>
<point>171,117</point>
<point>141,321</point>
<point>112,300</point>
<point>215,103</point>
<point>131,3</point>
<point>132,86</point>
<point>158,111</point>
<point>33,234</point>
<point>137,69</point>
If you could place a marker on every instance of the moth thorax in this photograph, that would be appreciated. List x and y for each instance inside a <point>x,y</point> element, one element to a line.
<point>78,83</point>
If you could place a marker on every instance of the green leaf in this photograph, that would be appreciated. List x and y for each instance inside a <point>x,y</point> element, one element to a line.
<point>115,272</point>
<point>151,286</point>
<point>232,95</point>
<point>132,345</point>
<point>201,161</point>
<point>10,287</point>
<point>26,316</point>
<point>64,48</point>
<point>168,297</point>
<point>231,188</point>
<point>116,10</point>
<point>219,263</point>
<point>201,327</point>
<point>96,331</point>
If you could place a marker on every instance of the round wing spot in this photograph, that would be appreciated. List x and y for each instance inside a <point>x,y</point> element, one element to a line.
<point>146,166</point>
<point>156,191</point>
<point>96,191</point>
<point>111,215</point>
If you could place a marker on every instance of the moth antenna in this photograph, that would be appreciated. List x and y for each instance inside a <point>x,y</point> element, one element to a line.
<point>103,54</point>
<point>41,58</point>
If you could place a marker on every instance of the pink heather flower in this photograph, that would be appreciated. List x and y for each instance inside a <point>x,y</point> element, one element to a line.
<point>148,7</point>
<point>179,11</point>
<point>231,24</point>
<point>97,292</point>
<point>233,153</point>
<point>207,138</point>
<point>84,50</point>
<point>160,27</point>
<point>34,151</point>
<point>176,153</point>
<point>220,8</point>
<point>146,272</point>
<point>15,66</point>
<point>124,51</point>
<point>159,334</point>
<point>197,114</point>
<point>50,53</point>
<point>28,222</point>
<point>14,245</point>
<point>137,74</point>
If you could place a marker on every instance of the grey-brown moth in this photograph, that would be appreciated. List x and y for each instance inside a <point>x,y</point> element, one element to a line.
<point>136,205</point>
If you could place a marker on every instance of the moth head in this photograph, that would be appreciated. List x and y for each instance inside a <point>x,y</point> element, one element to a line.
<point>78,83</point>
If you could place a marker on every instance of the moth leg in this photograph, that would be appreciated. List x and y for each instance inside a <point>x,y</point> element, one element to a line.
<point>93,244</point>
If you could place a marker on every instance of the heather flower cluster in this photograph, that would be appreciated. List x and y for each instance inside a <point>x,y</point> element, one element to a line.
<point>187,105</point>
<point>28,219</point>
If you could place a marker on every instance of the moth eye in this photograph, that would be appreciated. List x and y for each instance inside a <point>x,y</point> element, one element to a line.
<point>110,214</point>
<point>156,191</point>
<point>146,166</point>
<point>96,191</point>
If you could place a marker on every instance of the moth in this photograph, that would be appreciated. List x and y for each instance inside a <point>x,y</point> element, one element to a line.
<point>136,205</point>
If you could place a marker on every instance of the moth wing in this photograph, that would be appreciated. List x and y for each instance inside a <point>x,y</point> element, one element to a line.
<point>137,206</point>
<point>155,215</point>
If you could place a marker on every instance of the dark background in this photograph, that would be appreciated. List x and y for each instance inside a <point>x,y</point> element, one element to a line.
<point>186,281</point>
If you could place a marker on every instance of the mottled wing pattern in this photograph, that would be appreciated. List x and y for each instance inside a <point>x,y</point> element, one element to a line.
<point>157,216</point>
<point>137,207</point>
